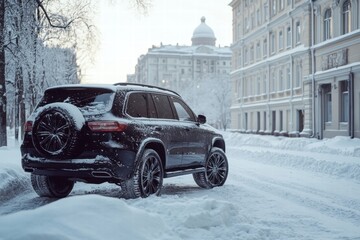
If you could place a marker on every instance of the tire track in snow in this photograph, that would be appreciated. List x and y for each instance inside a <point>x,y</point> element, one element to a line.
<point>348,167</point>
<point>353,204</point>
<point>302,198</point>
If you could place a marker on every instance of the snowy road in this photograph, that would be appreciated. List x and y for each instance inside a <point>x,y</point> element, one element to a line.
<point>277,188</point>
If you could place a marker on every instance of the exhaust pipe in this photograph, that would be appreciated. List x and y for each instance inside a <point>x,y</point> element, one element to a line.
<point>101,174</point>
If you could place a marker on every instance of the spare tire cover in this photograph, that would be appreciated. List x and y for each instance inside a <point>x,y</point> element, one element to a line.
<point>57,130</point>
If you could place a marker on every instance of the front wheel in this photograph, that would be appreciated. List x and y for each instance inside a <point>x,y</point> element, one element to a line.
<point>147,179</point>
<point>216,170</point>
<point>53,187</point>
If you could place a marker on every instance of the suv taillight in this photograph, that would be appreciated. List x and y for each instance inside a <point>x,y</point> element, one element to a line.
<point>28,126</point>
<point>106,126</point>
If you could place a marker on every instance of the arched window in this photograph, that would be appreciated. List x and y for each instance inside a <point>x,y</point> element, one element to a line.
<point>346,17</point>
<point>327,25</point>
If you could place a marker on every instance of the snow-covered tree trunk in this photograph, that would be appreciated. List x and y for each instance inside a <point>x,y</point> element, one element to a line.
<point>3,134</point>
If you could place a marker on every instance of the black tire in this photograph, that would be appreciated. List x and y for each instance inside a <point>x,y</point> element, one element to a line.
<point>53,187</point>
<point>147,179</point>
<point>216,170</point>
<point>57,131</point>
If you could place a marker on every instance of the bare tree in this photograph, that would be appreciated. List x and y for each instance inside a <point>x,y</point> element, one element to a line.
<point>41,23</point>
<point>3,134</point>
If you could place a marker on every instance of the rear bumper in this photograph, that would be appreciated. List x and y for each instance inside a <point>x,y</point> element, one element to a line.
<point>96,169</point>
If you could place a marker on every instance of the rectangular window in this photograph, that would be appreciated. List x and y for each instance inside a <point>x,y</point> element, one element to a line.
<point>328,107</point>
<point>273,122</point>
<point>346,17</point>
<point>298,76</point>
<point>273,81</point>
<point>258,51</point>
<point>258,122</point>
<point>264,121</point>
<point>265,48</point>
<point>288,77</point>
<point>246,121</point>
<point>266,11</point>
<point>281,120</point>
<point>264,83</point>
<point>298,32</point>
<point>252,26</point>
<point>272,42</point>
<point>344,101</point>
<point>327,24</point>
<point>252,53</point>
<point>252,86</point>
<point>246,55</point>
<point>288,37</point>
<point>287,120</point>
<point>281,80</point>
<point>281,3</point>
<point>247,24</point>
<point>273,7</point>
<point>258,88</point>
<point>281,40</point>
<point>258,17</point>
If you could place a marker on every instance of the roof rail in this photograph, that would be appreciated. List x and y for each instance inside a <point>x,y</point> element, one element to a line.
<point>144,85</point>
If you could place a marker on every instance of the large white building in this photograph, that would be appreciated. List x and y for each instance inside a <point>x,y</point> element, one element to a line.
<point>296,67</point>
<point>189,70</point>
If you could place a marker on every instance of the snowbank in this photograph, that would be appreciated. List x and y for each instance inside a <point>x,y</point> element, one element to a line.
<point>271,193</point>
<point>336,145</point>
<point>84,217</point>
<point>339,156</point>
<point>13,180</point>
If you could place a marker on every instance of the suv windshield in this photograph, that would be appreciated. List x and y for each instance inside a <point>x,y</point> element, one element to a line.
<point>89,101</point>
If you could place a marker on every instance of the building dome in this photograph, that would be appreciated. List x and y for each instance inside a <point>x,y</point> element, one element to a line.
<point>203,35</point>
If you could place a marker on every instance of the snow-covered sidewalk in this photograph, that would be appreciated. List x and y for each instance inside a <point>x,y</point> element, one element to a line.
<point>278,188</point>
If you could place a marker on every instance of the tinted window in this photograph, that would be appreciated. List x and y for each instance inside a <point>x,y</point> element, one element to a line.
<point>183,111</point>
<point>163,107</point>
<point>137,105</point>
<point>88,100</point>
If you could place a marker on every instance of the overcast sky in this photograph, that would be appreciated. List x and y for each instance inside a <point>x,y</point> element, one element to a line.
<point>125,34</point>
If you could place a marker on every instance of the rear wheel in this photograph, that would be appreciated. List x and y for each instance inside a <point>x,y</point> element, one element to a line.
<point>216,170</point>
<point>53,187</point>
<point>147,179</point>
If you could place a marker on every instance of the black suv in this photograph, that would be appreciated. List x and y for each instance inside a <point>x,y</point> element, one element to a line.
<point>128,134</point>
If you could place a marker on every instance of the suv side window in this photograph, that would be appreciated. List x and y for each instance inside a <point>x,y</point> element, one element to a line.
<point>163,106</point>
<point>137,105</point>
<point>184,113</point>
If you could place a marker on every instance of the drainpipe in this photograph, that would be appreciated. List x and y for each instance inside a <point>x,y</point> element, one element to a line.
<point>313,68</point>
<point>351,105</point>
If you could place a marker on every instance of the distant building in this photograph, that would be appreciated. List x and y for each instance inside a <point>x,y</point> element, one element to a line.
<point>188,70</point>
<point>130,78</point>
<point>296,67</point>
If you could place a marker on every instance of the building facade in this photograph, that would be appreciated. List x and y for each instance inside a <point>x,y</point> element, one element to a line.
<point>337,67</point>
<point>285,55</point>
<point>189,70</point>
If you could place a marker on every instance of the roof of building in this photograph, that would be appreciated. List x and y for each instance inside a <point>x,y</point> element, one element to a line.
<point>203,34</point>
<point>190,50</point>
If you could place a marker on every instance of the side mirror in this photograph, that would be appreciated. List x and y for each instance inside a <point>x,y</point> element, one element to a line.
<point>201,119</point>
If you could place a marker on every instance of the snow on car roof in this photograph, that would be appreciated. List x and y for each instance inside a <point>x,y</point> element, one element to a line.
<point>104,86</point>
<point>114,87</point>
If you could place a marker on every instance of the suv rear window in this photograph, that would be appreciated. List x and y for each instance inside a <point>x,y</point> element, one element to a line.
<point>90,101</point>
